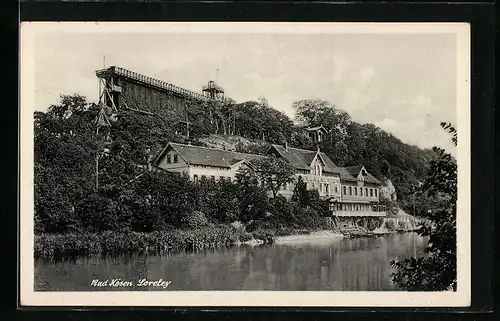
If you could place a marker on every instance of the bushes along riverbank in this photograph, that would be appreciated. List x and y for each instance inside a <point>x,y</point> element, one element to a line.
<point>55,246</point>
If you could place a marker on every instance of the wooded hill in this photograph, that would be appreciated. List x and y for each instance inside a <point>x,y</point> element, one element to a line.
<point>66,145</point>
<point>349,143</point>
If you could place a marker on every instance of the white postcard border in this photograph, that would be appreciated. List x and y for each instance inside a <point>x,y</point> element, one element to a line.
<point>29,297</point>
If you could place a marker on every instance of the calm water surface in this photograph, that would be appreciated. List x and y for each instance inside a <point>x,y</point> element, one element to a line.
<point>317,265</point>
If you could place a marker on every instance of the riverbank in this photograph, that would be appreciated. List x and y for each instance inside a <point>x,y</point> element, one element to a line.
<point>67,245</point>
<point>323,234</point>
<point>57,246</point>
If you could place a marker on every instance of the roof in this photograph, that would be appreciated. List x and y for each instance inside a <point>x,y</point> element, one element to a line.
<point>313,129</point>
<point>354,171</point>
<point>302,158</point>
<point>149,81</point>
<point>346,176</point>
<point>298,158</point>
<point>198,155</point>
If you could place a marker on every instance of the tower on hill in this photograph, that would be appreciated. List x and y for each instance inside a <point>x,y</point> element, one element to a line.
<point>213,91</point>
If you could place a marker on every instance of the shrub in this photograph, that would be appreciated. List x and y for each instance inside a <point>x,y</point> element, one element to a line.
<point>245,237</point>
<point>309,218</point>
<point>390,225</point>
<point>238,226</point>
<point>56,246</point>
<point>267,236</point>
<point>373,223</point>
<point>196,220</point>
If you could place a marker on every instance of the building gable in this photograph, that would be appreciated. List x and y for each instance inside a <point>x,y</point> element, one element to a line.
<point>169,158</point>
<point>359,173</point>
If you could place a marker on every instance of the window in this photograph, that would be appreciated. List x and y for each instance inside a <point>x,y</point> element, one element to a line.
<point>168,159</point>
<point>366,191</point>
<point>375,193</point>
<point>320,188</point>
<point>345,190</point>
<point>361,191</point>
<point>336,189</point>
<point>355,191</point>
<point>327,189</point>
<point>371,192</point>
<point>195,178</point>
<point>221,179</point>
<point>212,177</point>
<point>203,177</point>
<point>350,190</point>
<point>175,158</point>
<point>229,179</point>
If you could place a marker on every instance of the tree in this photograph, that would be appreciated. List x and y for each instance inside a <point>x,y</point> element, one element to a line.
<point>301,195</point>
<point>253,200</point>
<point>64,153</point>
<point>258,120</point>
<point>271,172</point>
<point>437,271</point>
<point>316,112</point>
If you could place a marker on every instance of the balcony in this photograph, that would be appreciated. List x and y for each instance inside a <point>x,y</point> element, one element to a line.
<point>359,214</point>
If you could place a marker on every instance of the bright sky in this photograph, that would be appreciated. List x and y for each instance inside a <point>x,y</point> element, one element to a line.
<point>403,83</point>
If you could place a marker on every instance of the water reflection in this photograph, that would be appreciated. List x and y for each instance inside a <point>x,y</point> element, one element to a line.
<point>319,265</point>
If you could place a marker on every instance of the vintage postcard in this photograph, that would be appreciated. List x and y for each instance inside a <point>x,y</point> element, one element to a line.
<point>245,164</point>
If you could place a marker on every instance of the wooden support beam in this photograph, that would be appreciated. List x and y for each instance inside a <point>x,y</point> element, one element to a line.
<point>138,110</point>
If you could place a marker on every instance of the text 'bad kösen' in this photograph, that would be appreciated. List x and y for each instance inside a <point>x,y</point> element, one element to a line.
<point>122,283</point>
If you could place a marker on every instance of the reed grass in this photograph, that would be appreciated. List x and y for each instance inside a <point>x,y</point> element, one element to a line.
<point>57,246</point>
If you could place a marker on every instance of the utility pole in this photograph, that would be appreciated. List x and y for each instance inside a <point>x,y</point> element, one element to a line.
<point>187,125</point>
<point>97,163</point>
<point>101,121</point>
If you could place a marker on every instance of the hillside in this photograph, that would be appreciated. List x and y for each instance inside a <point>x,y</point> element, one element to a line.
<point>348,143</point>
<point>246,127</point>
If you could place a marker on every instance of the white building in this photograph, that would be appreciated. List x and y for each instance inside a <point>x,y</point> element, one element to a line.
<point>352,191</point>
<point>202,162</point>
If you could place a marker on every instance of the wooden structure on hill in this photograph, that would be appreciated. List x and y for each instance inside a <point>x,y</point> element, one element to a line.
<point>124,89</point>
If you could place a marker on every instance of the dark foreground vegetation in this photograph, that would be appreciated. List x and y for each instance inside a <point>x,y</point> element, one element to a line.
<point>64,245</point>
<point>437,271</point>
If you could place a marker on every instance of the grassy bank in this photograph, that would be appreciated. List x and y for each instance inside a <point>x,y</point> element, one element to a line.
<point>52,246</point>
<point>55,246</point>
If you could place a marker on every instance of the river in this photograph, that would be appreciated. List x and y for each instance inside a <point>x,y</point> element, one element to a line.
<point>316,265</point>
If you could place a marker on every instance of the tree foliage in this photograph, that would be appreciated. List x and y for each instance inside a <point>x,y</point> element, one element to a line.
<point>129,197</point>
<point>437,270</point>
<point>271,172</point>
<point>349,144</point>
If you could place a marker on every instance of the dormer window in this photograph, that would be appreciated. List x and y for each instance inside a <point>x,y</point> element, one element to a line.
<point>176,160</point>
<point>169,160</point>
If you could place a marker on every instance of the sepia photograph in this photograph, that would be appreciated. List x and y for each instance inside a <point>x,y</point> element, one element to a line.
<point>266,164</point>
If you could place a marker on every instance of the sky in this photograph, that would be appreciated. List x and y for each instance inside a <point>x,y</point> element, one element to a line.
<point>404,83</point>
